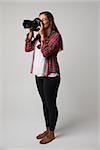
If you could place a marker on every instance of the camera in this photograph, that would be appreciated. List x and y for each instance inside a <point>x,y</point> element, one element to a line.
<point>32,24</point>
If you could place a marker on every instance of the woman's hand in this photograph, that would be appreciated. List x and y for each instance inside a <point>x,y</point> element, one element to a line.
<point>30,33</point>
<point>41,32</point>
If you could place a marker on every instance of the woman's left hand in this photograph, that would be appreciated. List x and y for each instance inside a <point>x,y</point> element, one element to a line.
<point>41,32</point>
<point>41,29</point>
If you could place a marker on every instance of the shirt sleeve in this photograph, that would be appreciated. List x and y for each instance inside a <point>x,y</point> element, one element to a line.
<point>29,45</point>
<point>51,45</point>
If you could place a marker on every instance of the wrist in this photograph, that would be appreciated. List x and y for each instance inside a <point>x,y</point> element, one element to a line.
<point>42,36</point>
<point>42,39</point>
<point>42,43</point>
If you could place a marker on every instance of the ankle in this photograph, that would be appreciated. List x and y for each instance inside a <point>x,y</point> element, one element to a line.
<point>51,133</point>
<point>47,129</point>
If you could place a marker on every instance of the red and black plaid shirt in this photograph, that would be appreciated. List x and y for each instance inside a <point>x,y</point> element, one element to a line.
<point>51,46</point>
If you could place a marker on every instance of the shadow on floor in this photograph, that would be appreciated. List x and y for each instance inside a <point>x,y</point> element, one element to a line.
<point>72,125</point>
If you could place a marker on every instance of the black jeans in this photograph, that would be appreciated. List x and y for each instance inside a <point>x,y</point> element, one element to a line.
<point>48,88</point>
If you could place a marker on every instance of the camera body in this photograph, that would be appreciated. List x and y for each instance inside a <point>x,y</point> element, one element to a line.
<point>32,24</point>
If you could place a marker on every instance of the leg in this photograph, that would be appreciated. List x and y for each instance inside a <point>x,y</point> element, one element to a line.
<point>50,91</point>
<point>51,85</point>
<point>39,83</point>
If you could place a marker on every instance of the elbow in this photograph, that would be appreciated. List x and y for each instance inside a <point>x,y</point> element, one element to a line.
<point>49,54</point>
<point>44,53</point>
<point>27,50</point>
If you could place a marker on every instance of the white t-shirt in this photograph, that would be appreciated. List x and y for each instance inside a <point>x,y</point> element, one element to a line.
<point>39,62</point>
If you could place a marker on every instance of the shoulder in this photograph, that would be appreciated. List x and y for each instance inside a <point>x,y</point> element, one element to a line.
<point>55,34</point>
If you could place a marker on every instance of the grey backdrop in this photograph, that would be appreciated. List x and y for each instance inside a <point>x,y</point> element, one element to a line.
<point>20,106</point>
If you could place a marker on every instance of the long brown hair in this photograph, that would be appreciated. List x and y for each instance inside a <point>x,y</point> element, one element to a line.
<point>54,27</point>
<point>50,18</point>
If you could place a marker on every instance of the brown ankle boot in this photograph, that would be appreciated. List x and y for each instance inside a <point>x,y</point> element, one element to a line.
<point>41,135</point>
<point>48,137</point>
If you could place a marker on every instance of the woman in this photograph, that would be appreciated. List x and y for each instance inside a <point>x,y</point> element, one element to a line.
<point>45,67</point>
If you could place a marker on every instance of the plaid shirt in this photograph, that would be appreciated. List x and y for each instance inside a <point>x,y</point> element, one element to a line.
<point>50,48</point>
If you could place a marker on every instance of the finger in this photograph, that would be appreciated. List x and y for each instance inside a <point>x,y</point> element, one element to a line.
<point>41,24</point>
<point>39,27</point>
<point>30,28</point>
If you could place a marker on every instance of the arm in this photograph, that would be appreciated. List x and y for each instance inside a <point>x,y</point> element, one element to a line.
<point>29,44</point>
<point>52,45</point>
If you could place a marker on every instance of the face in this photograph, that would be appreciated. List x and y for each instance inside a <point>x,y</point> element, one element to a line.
<point>45,20</point>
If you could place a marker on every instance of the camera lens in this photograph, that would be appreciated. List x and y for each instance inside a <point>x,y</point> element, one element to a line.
<point>32,24</point>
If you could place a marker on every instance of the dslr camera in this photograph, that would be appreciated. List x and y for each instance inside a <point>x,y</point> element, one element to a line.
<point>32,24</point>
